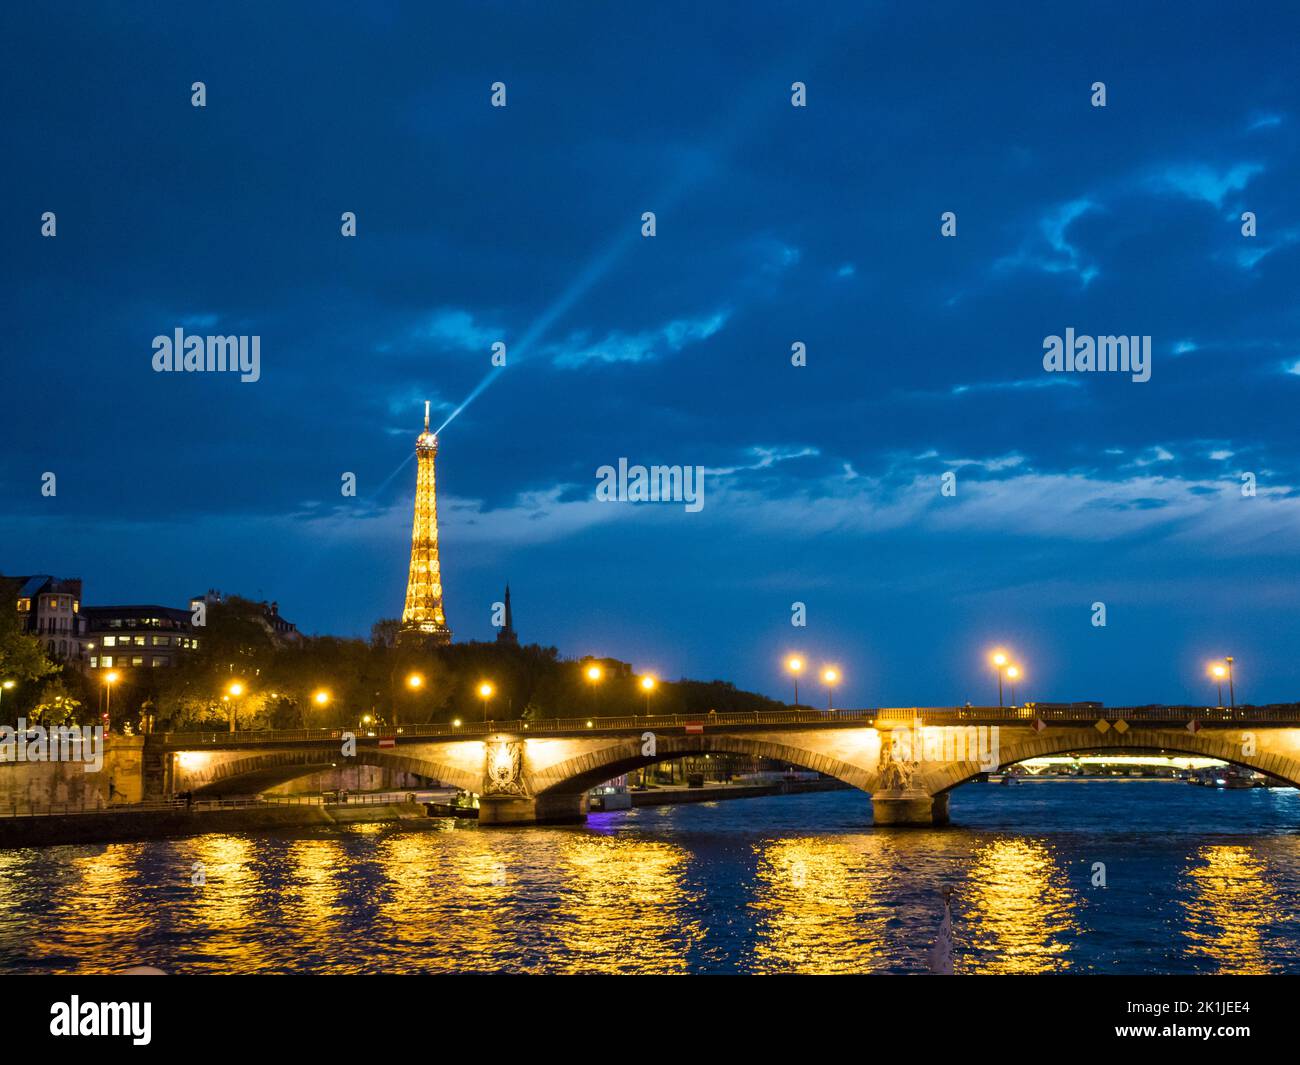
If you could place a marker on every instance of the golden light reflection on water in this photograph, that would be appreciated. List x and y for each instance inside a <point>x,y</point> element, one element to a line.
<point>106,876</point>
<point>623,906</point>
<point>811,897</point>
<point>68,934</point>
<point>1231,899</point>
<point>1019,911</point>
<point>223,902</point>
<point>448,894</point>
<point>691,889</point>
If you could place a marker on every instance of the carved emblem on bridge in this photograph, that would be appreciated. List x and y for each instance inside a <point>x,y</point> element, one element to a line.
<point>504,773</point>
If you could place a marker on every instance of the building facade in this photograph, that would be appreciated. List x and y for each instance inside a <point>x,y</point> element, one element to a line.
<point>50,608</point>
<point>138,637</point>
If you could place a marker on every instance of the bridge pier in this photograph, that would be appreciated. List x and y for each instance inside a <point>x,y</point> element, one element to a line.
<point>537,810</point>
<point>911,807</point>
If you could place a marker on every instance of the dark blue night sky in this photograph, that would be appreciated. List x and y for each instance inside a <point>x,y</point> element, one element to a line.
<point>775,224</point>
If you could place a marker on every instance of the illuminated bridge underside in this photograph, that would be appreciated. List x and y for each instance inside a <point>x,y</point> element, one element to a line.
<point>542,773</point>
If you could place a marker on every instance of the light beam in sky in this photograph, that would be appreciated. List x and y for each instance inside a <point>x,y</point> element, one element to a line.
<point>691,171</point>
<point>594,271</point>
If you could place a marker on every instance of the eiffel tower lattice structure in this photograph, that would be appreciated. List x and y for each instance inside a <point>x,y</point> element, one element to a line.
<point>423,620</point>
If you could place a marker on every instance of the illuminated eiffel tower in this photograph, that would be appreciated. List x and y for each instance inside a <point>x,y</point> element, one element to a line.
<point>422,618</point>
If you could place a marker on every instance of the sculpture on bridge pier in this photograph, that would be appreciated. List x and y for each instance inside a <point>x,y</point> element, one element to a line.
<point>895,774</point>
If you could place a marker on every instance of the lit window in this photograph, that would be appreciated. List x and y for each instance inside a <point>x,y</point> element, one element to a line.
<point>76,607</point>
<point>194,644</point>
<point>106,661</point>
<point>162,641</point>
<point>159,661</point>
<point>137,661</point>
<point>94,662</point>
<point>24,606</point>
<point>110,641</point>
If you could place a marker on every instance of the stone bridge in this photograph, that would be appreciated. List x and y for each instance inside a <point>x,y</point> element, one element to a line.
<point>906,759</point>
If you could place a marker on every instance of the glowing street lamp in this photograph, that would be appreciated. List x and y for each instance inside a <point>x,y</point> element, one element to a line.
<point>110,678</point>
<point>1218,671</point>
<point>233,692</point>
<point>999,660</point>
<point>830,677</point>
<point>593,675</point>
<point>321,698</point>
<point>795,665</point>
<point>648,685</point>
<point>485,691</point>
<point>4,687</point>
<point>414,684</point>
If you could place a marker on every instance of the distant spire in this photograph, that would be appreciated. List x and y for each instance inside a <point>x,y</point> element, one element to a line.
<point>507,633</point>
<point>426,415</point>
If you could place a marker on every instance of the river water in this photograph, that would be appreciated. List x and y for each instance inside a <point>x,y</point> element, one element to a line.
<point>1196,881</point>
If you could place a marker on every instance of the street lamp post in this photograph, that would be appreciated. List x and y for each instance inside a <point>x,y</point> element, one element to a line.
<point>110,678</point>
<point>4,687</point>
<point>485,691</point>
<point>1218,673</point>
<point>648,685</point>
<point>594,675</point>
<point>414,683</point>
<point>233,692</point>
<point>321,698</point>
<point>1013,673</point>
<point>1232,693</point>
<point>999,663</point>
<point>795,665</point>
<point>830,677</point>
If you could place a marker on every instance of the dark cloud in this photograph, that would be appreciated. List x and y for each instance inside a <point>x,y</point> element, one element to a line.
<point>776,225</point>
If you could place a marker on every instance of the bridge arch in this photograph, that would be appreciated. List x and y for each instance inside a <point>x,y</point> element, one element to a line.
<point>240,773</point>
<point>1088,740</point>
<point>577,774</point>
